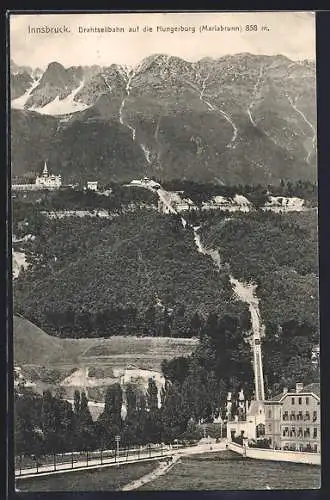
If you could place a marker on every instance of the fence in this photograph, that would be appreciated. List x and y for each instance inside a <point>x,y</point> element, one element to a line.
<point>26,465</point>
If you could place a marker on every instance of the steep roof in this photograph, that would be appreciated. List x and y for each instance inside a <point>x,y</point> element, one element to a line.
<point>254,408</point>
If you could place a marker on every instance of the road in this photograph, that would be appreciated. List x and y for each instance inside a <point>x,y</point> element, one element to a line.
<point>137,456</point>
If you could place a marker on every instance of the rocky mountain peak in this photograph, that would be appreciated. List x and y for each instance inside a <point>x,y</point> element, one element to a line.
<point>239,118</point>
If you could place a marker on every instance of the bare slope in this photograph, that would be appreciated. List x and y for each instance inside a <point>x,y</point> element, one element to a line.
<point>32,346</point>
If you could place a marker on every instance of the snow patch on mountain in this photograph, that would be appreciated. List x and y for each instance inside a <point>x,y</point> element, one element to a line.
<point>19,102</point>
<point>63,106</point>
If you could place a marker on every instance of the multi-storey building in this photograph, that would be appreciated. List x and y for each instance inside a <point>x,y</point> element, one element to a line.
<point>292,419</point>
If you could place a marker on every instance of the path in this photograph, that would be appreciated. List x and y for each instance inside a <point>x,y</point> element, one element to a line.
<point>166,466</point>
<point>94,463</point>
<point>137,456</point>
<point>162,469</point>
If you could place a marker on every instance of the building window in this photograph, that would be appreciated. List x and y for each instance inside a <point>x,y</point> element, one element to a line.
<point>292,416</point>
<point>286,431</point>
<point>292,401</point>
<point>286,415</point>
<point>300,401</point>
<point>260,430</point>
<point>269,413</point>
<point>314,416</point>
<point>307,416</point>
<point>315,432</point>
<point>307,433</point>
<point>315,448</point>
<point>300,432</point>
<point>300,415</point>
<point>269,427</point>
<point>307,401</point>
<point>293,432</point>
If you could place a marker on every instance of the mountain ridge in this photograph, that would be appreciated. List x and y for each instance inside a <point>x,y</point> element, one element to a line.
<point>239,118</point>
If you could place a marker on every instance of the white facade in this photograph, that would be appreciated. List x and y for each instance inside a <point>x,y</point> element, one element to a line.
<point>92,185</point>
<point>48,181</point>
<point>252,426</point>
<point>145,182</point>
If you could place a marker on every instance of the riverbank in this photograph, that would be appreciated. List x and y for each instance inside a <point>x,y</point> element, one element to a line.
<point>298,457</point>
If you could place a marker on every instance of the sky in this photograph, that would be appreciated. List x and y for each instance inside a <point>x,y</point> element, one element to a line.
<point>289,33</point>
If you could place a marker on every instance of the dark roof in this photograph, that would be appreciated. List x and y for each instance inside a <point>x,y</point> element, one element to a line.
<point>314,387</point>
<point>278,397</point>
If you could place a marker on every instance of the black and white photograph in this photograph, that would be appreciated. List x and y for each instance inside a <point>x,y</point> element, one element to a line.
<point>164,268</point>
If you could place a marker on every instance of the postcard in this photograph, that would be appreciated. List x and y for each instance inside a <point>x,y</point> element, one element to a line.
<point>164,251</point>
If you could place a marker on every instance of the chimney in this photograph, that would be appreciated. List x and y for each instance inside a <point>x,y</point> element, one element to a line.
<point>299,387</point>
<point>285,390</point>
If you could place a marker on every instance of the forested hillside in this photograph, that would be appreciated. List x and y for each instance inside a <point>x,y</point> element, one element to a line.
<point>279,252</point>
<point>139,273</point>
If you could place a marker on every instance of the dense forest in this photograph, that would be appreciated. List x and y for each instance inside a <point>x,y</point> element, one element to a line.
<point>137,274</point>
<point>278,252</point>
<point>140,273</point>
<point>114,198</point>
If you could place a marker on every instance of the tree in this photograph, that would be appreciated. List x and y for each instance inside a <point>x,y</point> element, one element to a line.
<point>110,422</point>
<point>174,417</point>
<point>176,369</point>
<point>86,428</point>
<point>76,403</point>
<point>131,401</point>
<point>153,416</point>
<point>28,437</point>
<point>152,396</point>
<point>48,422</point>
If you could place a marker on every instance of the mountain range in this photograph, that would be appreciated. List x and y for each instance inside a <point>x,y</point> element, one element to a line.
<point>234,120</point>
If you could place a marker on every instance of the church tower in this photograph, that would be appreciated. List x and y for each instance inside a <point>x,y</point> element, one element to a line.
<point>45,170</point>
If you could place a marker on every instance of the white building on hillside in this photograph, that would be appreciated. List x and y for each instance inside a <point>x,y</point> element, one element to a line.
<point>47,180</point>
<point>92,185</point>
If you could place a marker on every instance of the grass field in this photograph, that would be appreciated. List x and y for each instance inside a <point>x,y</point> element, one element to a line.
<point>103,479</point>
<point>89,364</point>
<point>227,471</point>
<point>32,346</point>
